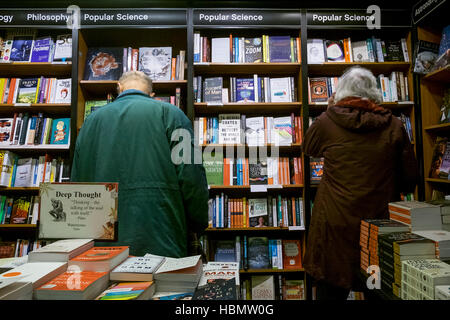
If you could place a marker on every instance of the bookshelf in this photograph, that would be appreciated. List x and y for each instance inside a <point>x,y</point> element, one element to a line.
<point>26,233</point>
<point>428,26</point>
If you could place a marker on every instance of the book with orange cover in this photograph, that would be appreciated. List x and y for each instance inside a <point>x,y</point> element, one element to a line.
<point>100,259</point>
<point>292,254</point>
<point>174,63</point>
<point>84,285</point>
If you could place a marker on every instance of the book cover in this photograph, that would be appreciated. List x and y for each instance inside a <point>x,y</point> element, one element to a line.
<point>282,131</point>
<point>104,63</point>
<point>258,171</point>
<point>280,89</point>
<point>360,51</point>
<point>335,51</point>
<point>280,48</point>
<point>258,253</point>
<point>316,167</point>
<point>213,164</point>
<point>436,159</point>
<point>5,131</point>
<point>92,105</point>
<point>254,131</point>
<point>128,291</point>
<point>63,91</point>
<point>263,287</point>
<point>253,50</point>
<point>23,172</point>
<point>63,47</point>
<point>315,51</point>
<point>229,128</point>
<point>258,212</point>
<point>216,289</point>
<point>27,90</point>
<point>220,50</point>
<point>225,251</point>
<point>394,51</point>
<point>425,56</point>
<point>156,62</point>
<point>318,90</point>
<point>139,265</point>
<point>212,90</point>
<point>294,290</point>
<point>42,50</point>
<point>37,273</point>
<point>292,254</point>
<point>60,131</point>
<point>100,253</point>
<point>21,48</point>
<point>245,90</point>
<point>172,296</point>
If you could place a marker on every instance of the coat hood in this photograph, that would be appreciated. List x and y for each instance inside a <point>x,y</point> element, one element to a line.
<point>359,114</point>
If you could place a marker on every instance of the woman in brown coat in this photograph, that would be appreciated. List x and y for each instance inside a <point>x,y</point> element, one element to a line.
<point>368,161</point>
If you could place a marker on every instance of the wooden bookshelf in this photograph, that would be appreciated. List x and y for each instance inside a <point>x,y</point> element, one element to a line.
<point>271,270</point>
<point>293,147</point>
<point>337,68</point>
<point>208,68</point>
<point>388,105</point>
<point>438,127</point>
<point>102,87</point>
<point>284,186</point>
<point>49,108</point>
<point>19,69</point>
<point>18,226</point>
<point>250,229</point>
<point>433,180</point>
<point>45,147</point>
<point>19,189</point>
<point>441,75</point>
<point>248,108</point>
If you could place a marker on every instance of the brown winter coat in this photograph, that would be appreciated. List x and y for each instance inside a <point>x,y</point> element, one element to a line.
<point>368,161</point>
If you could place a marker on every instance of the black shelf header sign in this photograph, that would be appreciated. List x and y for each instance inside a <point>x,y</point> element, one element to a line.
<point>132,17</point>
<point>205,17</point>
<point>33,17</point>
<point>424,8</point>
<point>357,18</point>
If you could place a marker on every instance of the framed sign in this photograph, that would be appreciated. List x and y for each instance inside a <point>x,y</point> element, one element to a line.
<point>78,210</point>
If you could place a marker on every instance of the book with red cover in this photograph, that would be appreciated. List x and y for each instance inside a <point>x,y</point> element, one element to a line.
<point>100,259</point>
<point>292,254</point>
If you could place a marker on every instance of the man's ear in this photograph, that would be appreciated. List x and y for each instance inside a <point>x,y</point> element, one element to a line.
<point>119,88</point>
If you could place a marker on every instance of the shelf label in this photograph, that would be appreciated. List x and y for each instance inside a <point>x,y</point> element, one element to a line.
<point>357,18</point>
<point>214,104</point>
<point>424,8</point>
<point>258,188</point>
<point>247,17</point>
<point>275,186</point>
<point>22,104</point>
<point>296,228</point>
<point>31,17</point>
<point>132,17</point>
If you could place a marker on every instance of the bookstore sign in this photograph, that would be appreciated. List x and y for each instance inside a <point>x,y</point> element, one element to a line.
<point>358,18</point>
<point>424,8</point>
<point>247,17</point>
<point>132,17</point>
<point>34,17</point>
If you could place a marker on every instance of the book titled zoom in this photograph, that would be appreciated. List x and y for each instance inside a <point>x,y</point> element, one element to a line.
<point>78,210</point>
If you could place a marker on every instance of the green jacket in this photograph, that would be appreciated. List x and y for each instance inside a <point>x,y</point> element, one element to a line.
<point>129,142</point>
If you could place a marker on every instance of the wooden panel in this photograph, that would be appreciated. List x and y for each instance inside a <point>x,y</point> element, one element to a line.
<point>246,68</point>
<point>442,76</point>
<point>29,69</point>
<point>56,109</point>
<point>329,69</point>
<point>272,108</point>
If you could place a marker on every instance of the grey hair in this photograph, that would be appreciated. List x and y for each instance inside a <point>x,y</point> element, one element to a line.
<point>137,76</point>
<point>359,82</point>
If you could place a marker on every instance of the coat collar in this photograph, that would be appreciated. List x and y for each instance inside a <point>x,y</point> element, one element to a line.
<point>132,92</point>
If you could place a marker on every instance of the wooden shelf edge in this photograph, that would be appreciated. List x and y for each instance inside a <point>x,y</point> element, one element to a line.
<point>234,104</point>
<point>2,189</point>
<point>435,180</point>
<point>18,226</point>
<point>284,186</point>
<point>437,127</point>
<point>262,229</point>
<point>271,270</point>
<point>433,76</point>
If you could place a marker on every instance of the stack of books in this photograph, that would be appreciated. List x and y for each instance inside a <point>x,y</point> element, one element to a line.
<point>417,215</point>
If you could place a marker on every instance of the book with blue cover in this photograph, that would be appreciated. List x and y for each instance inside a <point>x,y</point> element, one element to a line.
<point>245,90</point>
<point>258,253</point>
<point>280,48</point>
<point>21,48</point>
<point>42,50</point>
<point>60,131</point>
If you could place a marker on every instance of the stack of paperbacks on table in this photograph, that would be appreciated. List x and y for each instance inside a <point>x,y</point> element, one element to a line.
<point>7,264</point>
<point>61,250</point>
<point>36,273</point>
<point>85,285</point>
<point>137,269</point>
<point>99,259</point>
<point>129,291</point>
<point>219,281</point>
<point>178,274</point>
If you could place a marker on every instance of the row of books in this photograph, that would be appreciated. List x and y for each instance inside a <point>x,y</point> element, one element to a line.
<point>242,172</point>
<point>393,88</point>
<point>440,160</point>
<point>253,131</point>
<point>370,50</point>
<point>259,252</point>
<point>30,172</point>
<point>19,210</point>
<point>27,48</point>
<point>108,63</point>
<point>276,211</point>
<point>19,248</point>
<point>35,90</point>
<point>242,90</point>
<point>34,130</point>
<point>272,287</point>
<point>234,49</point>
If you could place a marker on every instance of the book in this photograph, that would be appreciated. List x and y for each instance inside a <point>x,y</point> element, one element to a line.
<point>292,254</point>
<point>425,55</point>
<point>23,172</point>
<point>258,171</point>
<point>258,253</point>
<point>316,167</point>
<point>60,132</point>
<point>230,128</point>
<point>253,50</point>
<point>360,51</point>
<point>37,273</point>
<point>280,48</point>
<point>216,289</point>
<point>156,62</point>
<point>42,50</point>
<point>21,48</point>
<point>280,89</point>
<point>282,131</point>
<point>27,90</point>
<point>318,90</point>
<point>440,293</point>
<point>254,131</point>
<point>212,90</point>
<point>394,51</point>
<point>103,63</point>
<point>294,290</point>
<point>6,125</point>
<point>100,259</point>
<point>440,145</point>
<point>406,244</point>
<point>92,105</point>
<point>213,164</point>
<point>85,285</point>
<point>258,212</point>
<point>61,250</point>
<point>129,291</point>
<point>220,50</point>
<point>17,291</point>
<point>63,91</point>
<point>316,52</point>
<point>245,90</point>
<point>225,251</point>
<point>335,51</point>
<point>136,269</point>
<point>63,47</point>
<point>418,215</point>
<point>263,287</point>
<point>441,238</point>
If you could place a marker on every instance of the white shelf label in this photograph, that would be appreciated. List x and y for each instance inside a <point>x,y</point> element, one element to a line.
<point>214,104</point>
<point>258,188</point>
<point>275,186</point>
<point>294,228</point>
<point>22,104</point>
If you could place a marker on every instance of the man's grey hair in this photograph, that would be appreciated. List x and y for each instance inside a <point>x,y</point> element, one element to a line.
<point>359,82</point>
<point>136,76</point>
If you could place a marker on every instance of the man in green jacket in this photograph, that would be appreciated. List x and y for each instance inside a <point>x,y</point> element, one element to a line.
<point>130,142</point>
